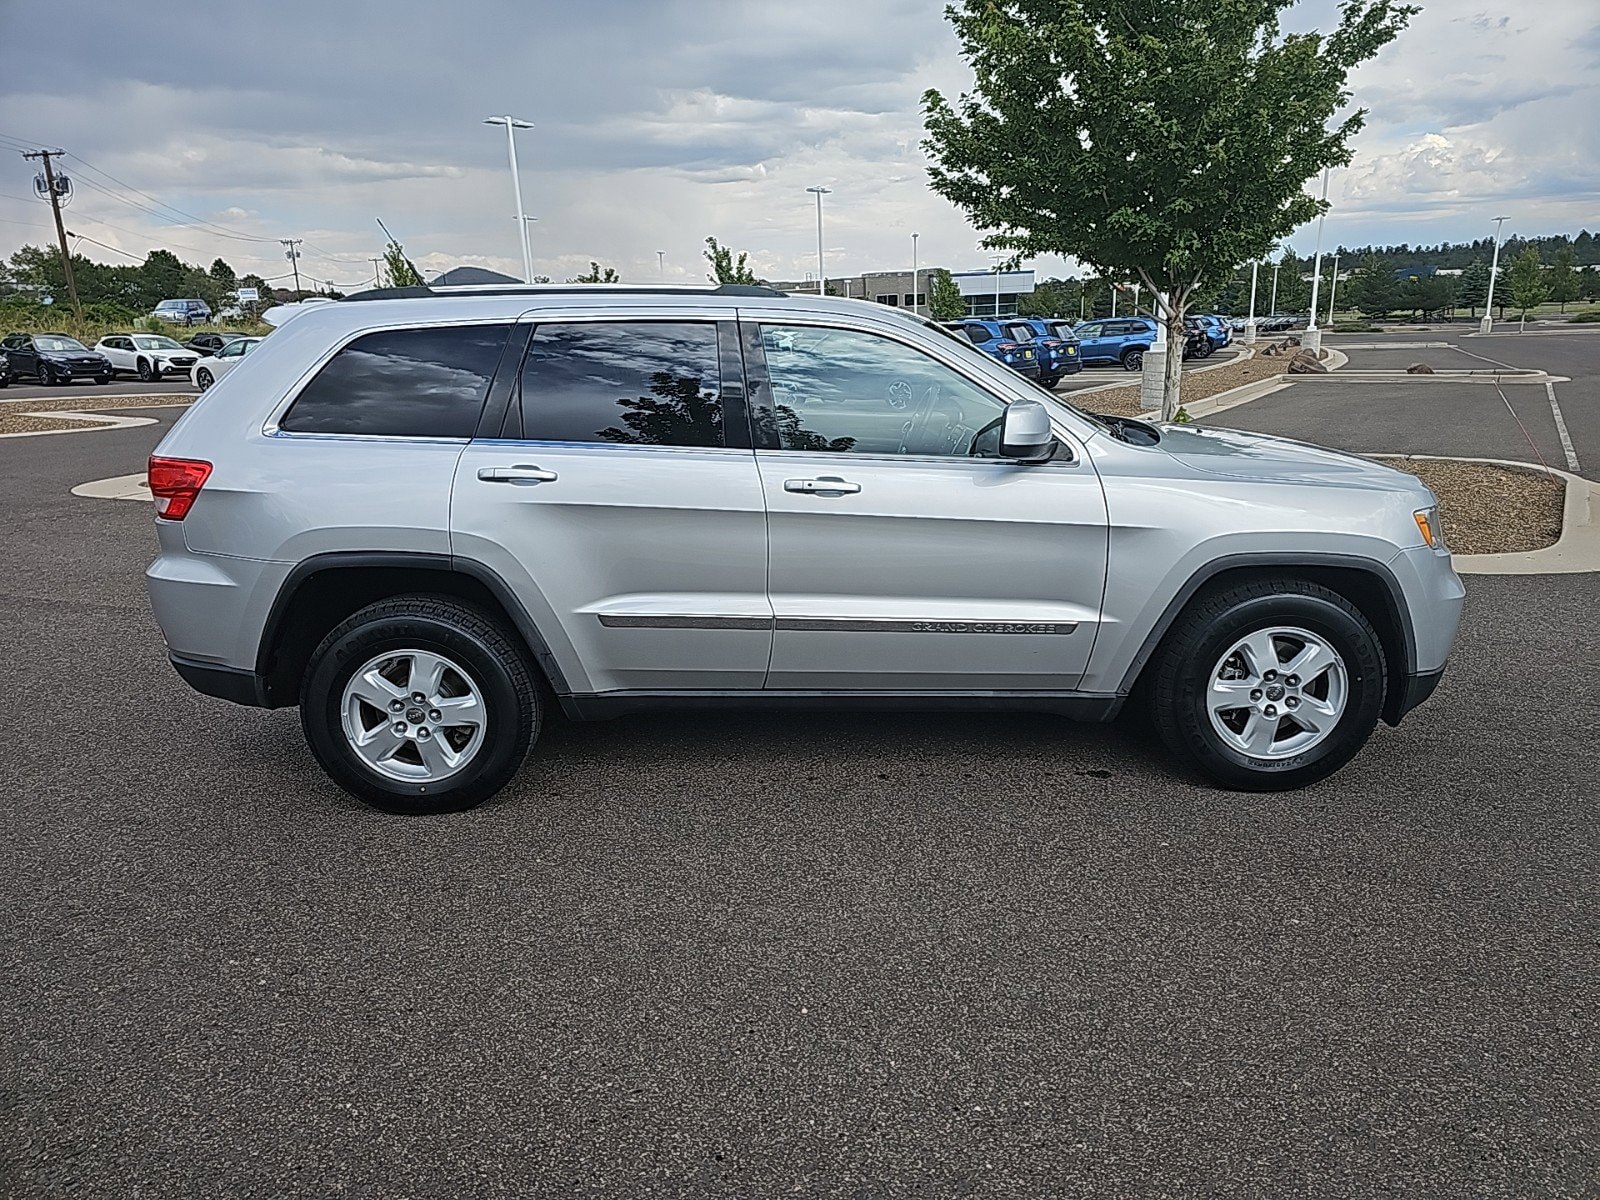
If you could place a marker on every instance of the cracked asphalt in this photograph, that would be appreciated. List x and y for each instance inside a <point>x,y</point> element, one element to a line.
<point>927,955</point>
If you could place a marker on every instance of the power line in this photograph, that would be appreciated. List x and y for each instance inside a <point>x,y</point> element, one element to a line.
<point>223,230</point>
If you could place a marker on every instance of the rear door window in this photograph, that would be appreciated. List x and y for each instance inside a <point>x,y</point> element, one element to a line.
<point>641,383</point>
<point>403,383</point>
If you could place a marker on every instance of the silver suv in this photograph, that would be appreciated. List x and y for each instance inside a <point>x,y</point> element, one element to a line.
<point>428,516</point>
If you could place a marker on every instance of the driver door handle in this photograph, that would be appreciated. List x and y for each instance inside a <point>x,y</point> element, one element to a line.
<point>823,485</point>
<point>521,473</point>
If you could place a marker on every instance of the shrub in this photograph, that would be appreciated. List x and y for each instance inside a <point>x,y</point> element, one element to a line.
<point>1588,316</point>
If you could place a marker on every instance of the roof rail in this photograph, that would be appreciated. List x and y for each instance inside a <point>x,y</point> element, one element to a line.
<point>423,291</point>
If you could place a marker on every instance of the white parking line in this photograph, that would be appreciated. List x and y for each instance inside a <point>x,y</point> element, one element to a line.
<point>1561,428</point>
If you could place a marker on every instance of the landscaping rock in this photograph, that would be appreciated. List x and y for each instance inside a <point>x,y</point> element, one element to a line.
<point>1305,363</point>
<point>1419,369</point>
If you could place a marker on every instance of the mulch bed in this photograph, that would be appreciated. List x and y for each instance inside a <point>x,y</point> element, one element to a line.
<point>1196,385</point>
<point>1489,509</point>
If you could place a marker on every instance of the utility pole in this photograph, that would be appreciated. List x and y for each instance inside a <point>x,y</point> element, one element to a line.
<point>293,256</point>
<point>377,274</point>
<point>61,230</point>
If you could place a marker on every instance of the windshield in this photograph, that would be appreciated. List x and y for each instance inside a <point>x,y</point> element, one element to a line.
<point>60,345</point>
<point>156,343</point>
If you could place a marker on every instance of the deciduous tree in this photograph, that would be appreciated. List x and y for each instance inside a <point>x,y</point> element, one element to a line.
<point>1526,283</point>
<point>1170,141</point>
<point>945,301</point>
<point>724,267</point>
<point>597,274</point>
<point>1564,285</point>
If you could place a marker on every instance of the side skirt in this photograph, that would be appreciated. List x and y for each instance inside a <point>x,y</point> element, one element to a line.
<point>1079,706</point>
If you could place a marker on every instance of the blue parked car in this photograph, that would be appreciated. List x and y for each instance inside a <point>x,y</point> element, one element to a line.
<point>1116,340</point>
<point>1218,330</point>
<point>1058,346</point>
<point>993,340</point>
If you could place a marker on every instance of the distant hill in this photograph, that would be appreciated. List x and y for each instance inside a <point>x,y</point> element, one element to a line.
<point>470,276</point>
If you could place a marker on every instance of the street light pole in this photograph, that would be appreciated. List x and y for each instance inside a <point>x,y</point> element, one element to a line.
<point>822,276</point>
<point>1273,307</point>
<point>1312,340</point>
<point>1487,324</point>
<point>1333,287</point>
<point>512,124</point>
<point>661,264</point>
<point>914,292</point>
<point>998,259</point>
<point>1250,321</point>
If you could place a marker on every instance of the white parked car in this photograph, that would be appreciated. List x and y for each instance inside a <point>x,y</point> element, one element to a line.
<point>208,370</point>
<point>147,355</point>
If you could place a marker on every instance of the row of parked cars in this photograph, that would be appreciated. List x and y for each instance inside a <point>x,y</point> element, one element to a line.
<point>58,358</point>
<point>1045,350</point>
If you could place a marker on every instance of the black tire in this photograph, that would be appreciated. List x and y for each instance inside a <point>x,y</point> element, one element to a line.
<point>1049,381</point>
<point>103,378</point>
<point>1133,359</point>
<point>1181,677</point>
<point>444,625</point>
<point>146,374</point>
<point>202,379</point>
<point>46,379</point>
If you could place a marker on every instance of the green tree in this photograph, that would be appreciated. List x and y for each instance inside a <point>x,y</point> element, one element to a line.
<point>1053,298</point>
<point>1589,283</point>
<point>1233,119</point>
<point>396,269</point>
<point>1371,288</point>
<point>597,274</point>
<point>725,268</point>
<point>1564,285</point>
<point>222,275</point>
<point>945,301</point>
<point>1472,288</point>
<point>1526,283</point>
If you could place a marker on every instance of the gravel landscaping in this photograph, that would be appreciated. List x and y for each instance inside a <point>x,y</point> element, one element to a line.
<point>1489,509</point>
<point>14,418</point>
<point>1197,385</point>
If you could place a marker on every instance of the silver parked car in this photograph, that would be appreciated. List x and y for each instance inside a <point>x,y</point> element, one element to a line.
<point>427,517</point>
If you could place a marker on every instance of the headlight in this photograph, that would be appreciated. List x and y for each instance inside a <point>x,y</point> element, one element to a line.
<point>1428,525</point>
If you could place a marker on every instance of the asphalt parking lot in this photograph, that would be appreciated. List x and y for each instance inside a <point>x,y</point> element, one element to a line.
<point>740,955</point>
<point>172,385</point>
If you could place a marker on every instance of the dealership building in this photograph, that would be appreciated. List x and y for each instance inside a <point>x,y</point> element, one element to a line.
<point>980,289</point>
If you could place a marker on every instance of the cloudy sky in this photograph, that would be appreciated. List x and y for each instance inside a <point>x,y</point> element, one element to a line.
<point>215,131</point>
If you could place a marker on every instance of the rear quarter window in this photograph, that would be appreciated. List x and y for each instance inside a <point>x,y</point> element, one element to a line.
<point>403,383</point>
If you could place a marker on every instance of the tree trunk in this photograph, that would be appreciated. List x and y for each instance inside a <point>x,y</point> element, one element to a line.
<point>1173,371</point>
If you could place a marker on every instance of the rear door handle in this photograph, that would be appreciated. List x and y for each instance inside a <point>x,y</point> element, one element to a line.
<point>823,485</point>
<point>521,473</point>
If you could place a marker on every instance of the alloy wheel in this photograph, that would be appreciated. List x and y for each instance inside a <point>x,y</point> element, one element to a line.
<point>414,716</point>
<point>1277,692</point>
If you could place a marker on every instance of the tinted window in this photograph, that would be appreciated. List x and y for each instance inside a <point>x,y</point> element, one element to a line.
<point>403,383</point>
<point>1091,330</point>
<point>976,334</point>
<point>856,393</point>
<point>642,383</point>
<point>1019,332</point>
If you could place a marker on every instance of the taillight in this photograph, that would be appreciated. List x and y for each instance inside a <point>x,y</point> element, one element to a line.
<point>175,483</point>
<point>1006,346</point>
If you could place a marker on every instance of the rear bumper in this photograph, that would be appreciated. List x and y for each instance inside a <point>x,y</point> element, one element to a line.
<point>225,683</point>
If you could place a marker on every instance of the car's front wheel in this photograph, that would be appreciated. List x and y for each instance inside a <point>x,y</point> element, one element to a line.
<point>1132,360</point>
<point>44,376</point>
<point>1269,685</point>
<point>420,704</point>
<point>1049,381</point>
<point>148,371</point>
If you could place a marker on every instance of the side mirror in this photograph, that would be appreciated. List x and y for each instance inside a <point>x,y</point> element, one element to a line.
<point>1025,433</point>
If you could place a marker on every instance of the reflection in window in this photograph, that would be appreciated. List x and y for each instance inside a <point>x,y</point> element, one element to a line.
<point>839,391</point>
<point>643,383</point>
<point>402,383</point>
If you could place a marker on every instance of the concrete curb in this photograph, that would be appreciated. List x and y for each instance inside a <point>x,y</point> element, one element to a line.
<point>1360,375</point>
<point>1245,392</point>
<point>155,397</point>
<point>1576,551</point>
<point>93,422</point>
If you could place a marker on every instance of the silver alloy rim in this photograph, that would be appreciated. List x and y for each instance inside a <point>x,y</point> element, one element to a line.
<point>414,716</point>
<point>1277,692</point>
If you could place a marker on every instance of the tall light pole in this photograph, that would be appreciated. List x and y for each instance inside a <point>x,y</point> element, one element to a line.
<point>998,259</point>
<point>1487,324</point>
<point>1250,321</point>
<point>914,292</point>
<point>1273,307</point>
<point>512,124</point>
<point>822,275</point>
<point>1312,340</point>
<point>1333,286</point>
<point>661,264</point>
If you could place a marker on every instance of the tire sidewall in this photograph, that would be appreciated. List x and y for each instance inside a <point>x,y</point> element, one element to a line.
<point>338,660</point>
<point>1133,360</point>
<point>1364,667</point>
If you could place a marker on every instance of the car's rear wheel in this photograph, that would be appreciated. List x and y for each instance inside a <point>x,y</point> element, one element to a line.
<point>1269,685</point>
<point>202,379</point>
<point>420,704</point>
<point>1133,360</point>
<point>1049,381</point>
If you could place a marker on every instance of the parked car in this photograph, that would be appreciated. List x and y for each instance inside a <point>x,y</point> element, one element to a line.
<point>5,368</point>
<point>183,312</point>
<point>1058,354</point>
<point>208,370</point>
<point>147,355</point>
<point>1217,330</point>
<point>991,338</point>
<point>618,500</point>
<point>52,358</point>
<point>1116,340</point>
<point>1197,341</point>
<point>209,343</point>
